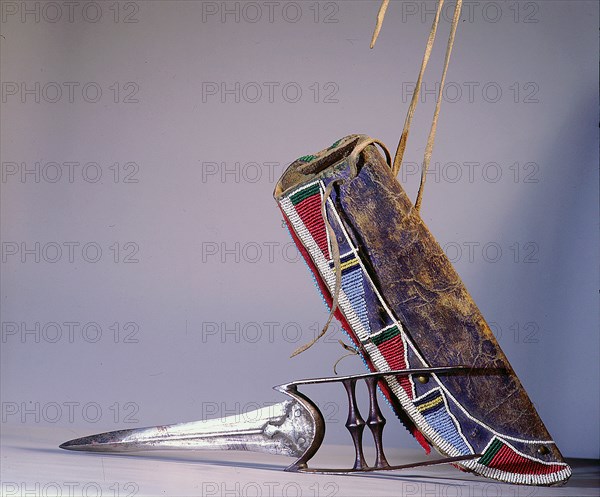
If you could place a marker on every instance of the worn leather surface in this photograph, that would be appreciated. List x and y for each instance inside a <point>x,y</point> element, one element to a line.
<point>422,287</point>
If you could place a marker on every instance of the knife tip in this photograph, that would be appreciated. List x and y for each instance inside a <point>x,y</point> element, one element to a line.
<point>76,444</point>
<point>69,445</point>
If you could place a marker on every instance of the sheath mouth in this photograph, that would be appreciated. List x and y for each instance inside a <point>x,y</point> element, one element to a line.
<point>335,155</point>
<point>309,166</point>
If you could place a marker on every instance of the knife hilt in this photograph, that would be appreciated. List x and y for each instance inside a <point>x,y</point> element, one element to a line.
<point>355,423</point>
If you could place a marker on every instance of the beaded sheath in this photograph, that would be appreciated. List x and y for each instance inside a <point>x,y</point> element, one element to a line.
<point>404,306</point>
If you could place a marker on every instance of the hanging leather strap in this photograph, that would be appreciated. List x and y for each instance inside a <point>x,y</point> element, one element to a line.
<point>415,98</point>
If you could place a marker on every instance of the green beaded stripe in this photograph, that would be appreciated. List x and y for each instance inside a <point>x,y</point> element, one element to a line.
<point>492,450</point>
<point>307,158</point>
<point>298,197</point>
<point>386,335</point>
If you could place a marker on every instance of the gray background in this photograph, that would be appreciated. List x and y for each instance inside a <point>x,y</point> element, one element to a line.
<point>207,293</point>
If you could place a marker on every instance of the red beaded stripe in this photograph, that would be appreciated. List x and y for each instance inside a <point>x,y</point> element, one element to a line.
<point>508,460</point>
<point>309,211</point>
<point>393,352</point>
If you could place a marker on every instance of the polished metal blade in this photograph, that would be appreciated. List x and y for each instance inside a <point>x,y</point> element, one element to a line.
<point>286,428</point>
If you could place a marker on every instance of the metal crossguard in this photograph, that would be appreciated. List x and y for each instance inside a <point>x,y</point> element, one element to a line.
<point>293,428</point>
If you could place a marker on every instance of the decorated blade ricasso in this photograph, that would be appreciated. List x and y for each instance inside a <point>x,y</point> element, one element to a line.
<point>458,416</point>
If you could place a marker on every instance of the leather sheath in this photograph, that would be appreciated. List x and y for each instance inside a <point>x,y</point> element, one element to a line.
<point>403,305</point>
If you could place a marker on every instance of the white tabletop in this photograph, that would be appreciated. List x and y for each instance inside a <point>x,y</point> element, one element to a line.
<point>32,464</point>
